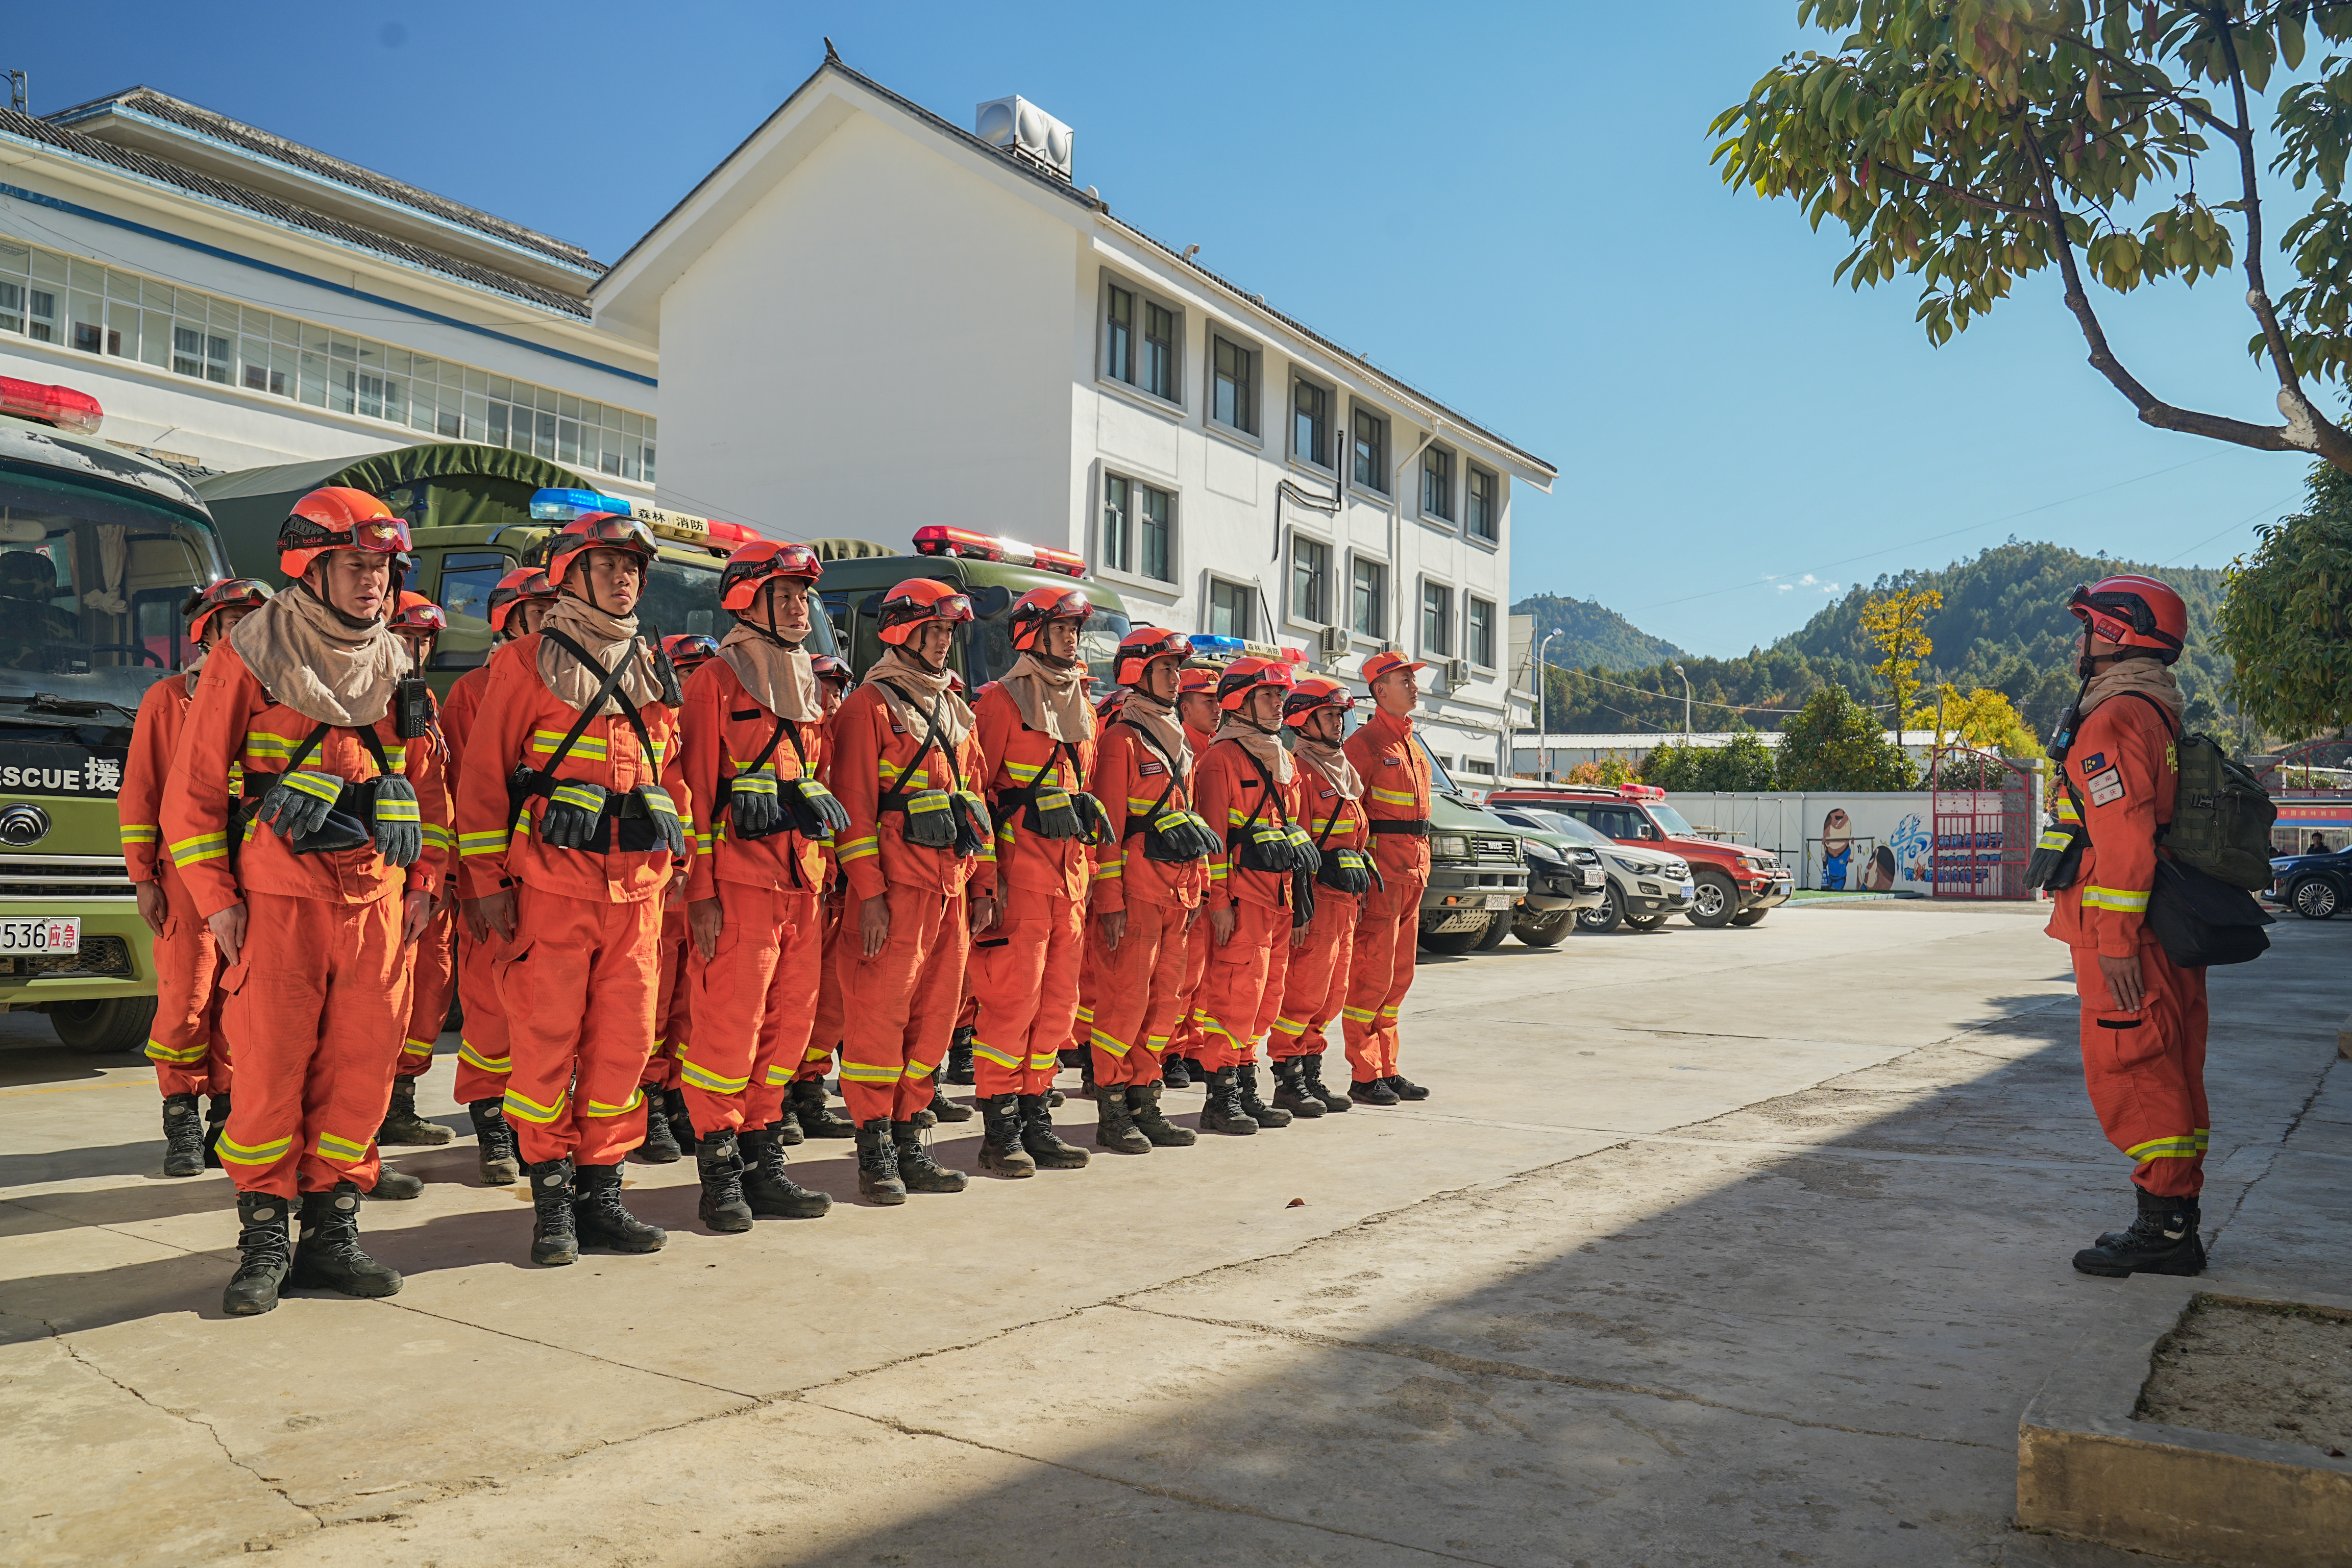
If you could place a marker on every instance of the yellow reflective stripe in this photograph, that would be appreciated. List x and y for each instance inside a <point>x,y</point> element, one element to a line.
<point>2066,812</point>
<point>475,1058</point>
<point>1389,1011</point>
<point>138,832</point>
<point>206,846</point>
<point>635,1102</point>
<point>1109,1044</point>
<point>342,1150</point>
<point>1211,1024</point>
<point>1356,1014</point>
<point>1290,1025</point>
<point>709,1082</point>
<point>416,1047</point>
<point>1217,869</point>
<point>187,1057</point>
<point>521,1106</point>
<point>1394,797</point>
<point>2119,899</point>
<point>439,837</point>
<point>589,746</point>
<point>2186,1147</point>
<point>982,1049</point>
<point>858,849</point>
<point>2203,1138</point>
<point>232,1152</point>
<point>868,1072</point>
<point>1084,1014</point>
<point>1106,872</point>
<point>778,1075</point>
<point>472,843</point>
<point>398,811</point>
<point>319,786</point>
<point>1043,1061</point>
<point>587,797</point>
<point>915,1070</point>
<point>818,1053</point>
<point>2056,838</point>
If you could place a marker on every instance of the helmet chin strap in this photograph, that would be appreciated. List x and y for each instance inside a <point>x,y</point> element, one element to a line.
<point>356,622</point>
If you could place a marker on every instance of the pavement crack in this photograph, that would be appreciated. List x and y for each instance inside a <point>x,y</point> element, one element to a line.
<point>746,1396</point>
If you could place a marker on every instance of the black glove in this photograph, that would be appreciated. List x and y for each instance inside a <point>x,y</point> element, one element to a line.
<point>1310,859</point>
<point>973,831</point>
<point>815,813</point>
<point>399,827</point>
<point>664,811</point>
<point>572,815</point>
<point>1094,823</point>
<point>751,798</point>
<point>1052,813</point>
<point>298,803</point>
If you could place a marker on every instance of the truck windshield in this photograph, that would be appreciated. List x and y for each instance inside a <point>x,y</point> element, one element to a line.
<point>1672,820</point>
<point>91,589</point>
<point>1439,779</point>
<point>992,638</point>
<point>681,598</point>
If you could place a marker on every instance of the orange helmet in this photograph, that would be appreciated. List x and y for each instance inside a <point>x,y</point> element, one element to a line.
<point>338,518</point>
<point>523,583</point>
<point>749,569</point>
<point>1139,646</point>
<point>1244,675</point>
<point>1311,696</point>
<point>228,593</point>
<point>1381,664</point>
<point>1199,678</point>
<point>1038,606</point>
<point>2135,611</point>
<point>414,614</point>
<point>920,599</point>
<point>689,651</point>
<point>596,530</point>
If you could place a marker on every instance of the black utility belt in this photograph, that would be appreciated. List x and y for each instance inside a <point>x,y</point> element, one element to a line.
<point>626,824</point>
<point>1417,827</point>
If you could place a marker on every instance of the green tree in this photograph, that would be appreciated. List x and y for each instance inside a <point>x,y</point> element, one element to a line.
<point>1897,624</point>
<point>1744,762</point>
<point>2287,620</point>
<point>1972,142</point>
<point>1835,744</point>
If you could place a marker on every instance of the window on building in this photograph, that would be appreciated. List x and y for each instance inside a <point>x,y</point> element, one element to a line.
<point>1478,631</point>
<point>1310,580</point>
<point>1372,461</point>
<point>1119,336</point>
<point>1155,518</point>
<point>1141,342</point>
<point>1367,611</point>
<point>1437,483</point>
<point>1159,351</point>
<point>1437,619</point>
<point>1310,423</point>
<point>1484,517</point>
<point>1137,528</point>
<point>1232,393</point>
<point>1231,608</point>
<point>1482,766</point>
<point>1119,523</point>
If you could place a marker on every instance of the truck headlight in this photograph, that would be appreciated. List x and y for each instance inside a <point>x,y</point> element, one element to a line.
<point>1450,847</point>
<point>1630,867</point>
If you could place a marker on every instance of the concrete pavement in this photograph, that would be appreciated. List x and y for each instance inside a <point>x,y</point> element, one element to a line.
<point>1712,1247</point>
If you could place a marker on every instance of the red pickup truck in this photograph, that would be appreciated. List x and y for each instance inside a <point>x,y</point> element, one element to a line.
<point>1734,884</point>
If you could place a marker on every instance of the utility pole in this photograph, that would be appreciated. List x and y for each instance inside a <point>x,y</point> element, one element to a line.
<point>20,92</point>
<point>1543,707</point>
<point>1686,707</point>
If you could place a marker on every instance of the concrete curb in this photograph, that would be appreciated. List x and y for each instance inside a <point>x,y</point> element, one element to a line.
<point>2086,1470</point>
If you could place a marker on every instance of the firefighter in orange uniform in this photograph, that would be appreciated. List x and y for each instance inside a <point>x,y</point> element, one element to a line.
<point>1149,877</point>
<point>1396,796</point>
<point>1247,786</point>
<point>514,609</point>
<point>190,1055</point>
<point>2142,1016</point>
<point>570,828</point>
<point>905,766</point>
<point>754,725</point>
<point>669,1132</point>
<point>1080,1053</point>
<point>419,623</point>
<point>1196,710</point>
<point>315,876</point>
<point>807,1105</point>
<point>1332,811</point>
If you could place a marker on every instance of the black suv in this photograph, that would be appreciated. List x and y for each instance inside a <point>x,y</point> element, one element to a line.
<point>2313,886</point>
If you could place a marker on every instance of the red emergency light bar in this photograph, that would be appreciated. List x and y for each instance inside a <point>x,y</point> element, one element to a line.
<point>739,533</point>
<point>940,539</point>
<point>59,406</point>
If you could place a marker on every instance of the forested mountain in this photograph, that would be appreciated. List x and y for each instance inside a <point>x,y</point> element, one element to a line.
<point>1592,634</point>
<point>2003,624</point>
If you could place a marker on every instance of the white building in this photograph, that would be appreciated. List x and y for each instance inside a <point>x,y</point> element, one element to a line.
<point>235,300</point>
<point>870,319</point>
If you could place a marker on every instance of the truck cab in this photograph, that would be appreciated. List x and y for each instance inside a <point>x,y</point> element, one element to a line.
<point>98,551</point>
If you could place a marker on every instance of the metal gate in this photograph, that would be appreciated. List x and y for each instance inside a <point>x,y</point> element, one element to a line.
<point>1984,817</point>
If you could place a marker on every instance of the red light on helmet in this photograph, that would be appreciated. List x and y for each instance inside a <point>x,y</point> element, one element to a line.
<point>59,406</point>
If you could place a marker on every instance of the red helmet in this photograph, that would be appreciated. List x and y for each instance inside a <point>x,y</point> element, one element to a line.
<point>1038,606</point>
<point>228,593</point>
<point>1313,695</point>
<point>689,651</point>
<point>338,518</point>
<point>523,583</point>
<point>828,667</point>
<point>917,600</point>
<point>1139,646</point>
<point>1244,675</point>
<point>596,530</point>
<point>417,616</point>
<point>749,569</point>
<point>2138,612</point>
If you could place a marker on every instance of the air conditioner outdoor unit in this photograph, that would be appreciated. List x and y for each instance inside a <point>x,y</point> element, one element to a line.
<point>1458,672</point>
<point>1335,641</point>
<point>1017,126</point>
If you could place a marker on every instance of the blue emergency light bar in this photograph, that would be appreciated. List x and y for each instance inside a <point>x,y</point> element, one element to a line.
<point>1208,645</point>
<point>562,506</point>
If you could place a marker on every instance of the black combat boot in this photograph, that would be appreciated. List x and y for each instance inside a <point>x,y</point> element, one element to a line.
<point>2162,1239</point>
<point>658,1146</point>
<point>402,1127</point>
<point>766,1187</point>
<point>817,1119</point>
<point>1045,1145</point>
<point>1371,1091</point>
<point>942,1109</point>
<point>724,1207</point>
<point>877,1163</point>
<point>918,1172</point>
<point>183,1136</point>
<point>393,1186</point>
<point>959,1062</point>
<point>264,1255</point>
<point>1115,1125</point>
<point>1256,1109</point>
<point>1000,1142</point>
<point>600,1221</point>
<point>1221,1111</point>
<point>1144,1106</point>
<point>216,1123</point>
<point>1405,1087</point>
<point>1310,1079</point>
<point>681,1125</point>
<point>554,1233</point>
<point>494,1142</point>
<point>1074,1055</point>
<point>786,1127</point>
<point>1172,1072</point>
<point>328,1257</point>
<point>1085,1074</point>
<point>1290,1090</point>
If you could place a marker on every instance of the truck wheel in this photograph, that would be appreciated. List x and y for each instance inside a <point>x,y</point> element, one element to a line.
<point>106,1028</point>
<point>1546,932</point>
<point>1606,915</point>
<point>1645,922</point>
<point>1749,917</point>
<point>1453,943</point>
<point>2314,899</point>
<point>1497,928</point>
<point>1714,898</point>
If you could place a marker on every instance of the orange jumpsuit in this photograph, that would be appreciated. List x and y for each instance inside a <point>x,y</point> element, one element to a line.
<point>319,993</point>
<point>1024,968</point>
<point>673,1009</point>
<point>754,998</point>
<point>2145,1069</point>
<point>1396,796</point>
<point>185,1044</point>
<point>482,1061</point>
<point>1317,987</point>
<point>907,994</point>
<point>433,966</point>
<point>1185,1041</point>
<point>1241,993</point>
<point>578,982</point>
<point>1138,983</point>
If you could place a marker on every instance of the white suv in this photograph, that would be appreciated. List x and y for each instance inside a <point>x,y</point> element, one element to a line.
<point>1645,886</point>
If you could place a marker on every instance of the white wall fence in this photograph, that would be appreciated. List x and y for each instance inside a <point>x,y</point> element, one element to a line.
<point>1959,844</point>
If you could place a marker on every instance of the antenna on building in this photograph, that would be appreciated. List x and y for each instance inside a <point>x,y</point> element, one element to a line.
<point>20,92</point>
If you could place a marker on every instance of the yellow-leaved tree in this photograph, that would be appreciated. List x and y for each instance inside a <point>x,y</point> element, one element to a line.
<point>1897,624</point>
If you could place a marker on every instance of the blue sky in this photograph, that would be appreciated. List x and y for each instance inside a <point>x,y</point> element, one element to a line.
<point>1509,206</point>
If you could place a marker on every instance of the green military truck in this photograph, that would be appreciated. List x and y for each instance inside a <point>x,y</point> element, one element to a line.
<point>99,550</point>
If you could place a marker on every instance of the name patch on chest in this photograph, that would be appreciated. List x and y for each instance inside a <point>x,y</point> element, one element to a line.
<point>1391,762</point>
<point>1149,767</point>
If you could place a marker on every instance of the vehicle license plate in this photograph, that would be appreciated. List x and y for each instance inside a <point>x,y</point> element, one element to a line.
<point>1690,889</point>
<point>40,934</point>
<point>1498,901</point>
<point>1593,879</point>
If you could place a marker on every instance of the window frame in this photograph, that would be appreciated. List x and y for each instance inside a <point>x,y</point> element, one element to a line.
<point>1379,598</point>
<point>1444,456</point>
<point>1209,605</point>
<point>1493,539</point>
<point>1385,435</point>
<point>1144,301</point>
<point>1444,649</point>
<point>1330,424</point>
<point>1470,604</point>
<point>1300,538</point>
<point>1253,383</point>
<point>1136,569</point>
